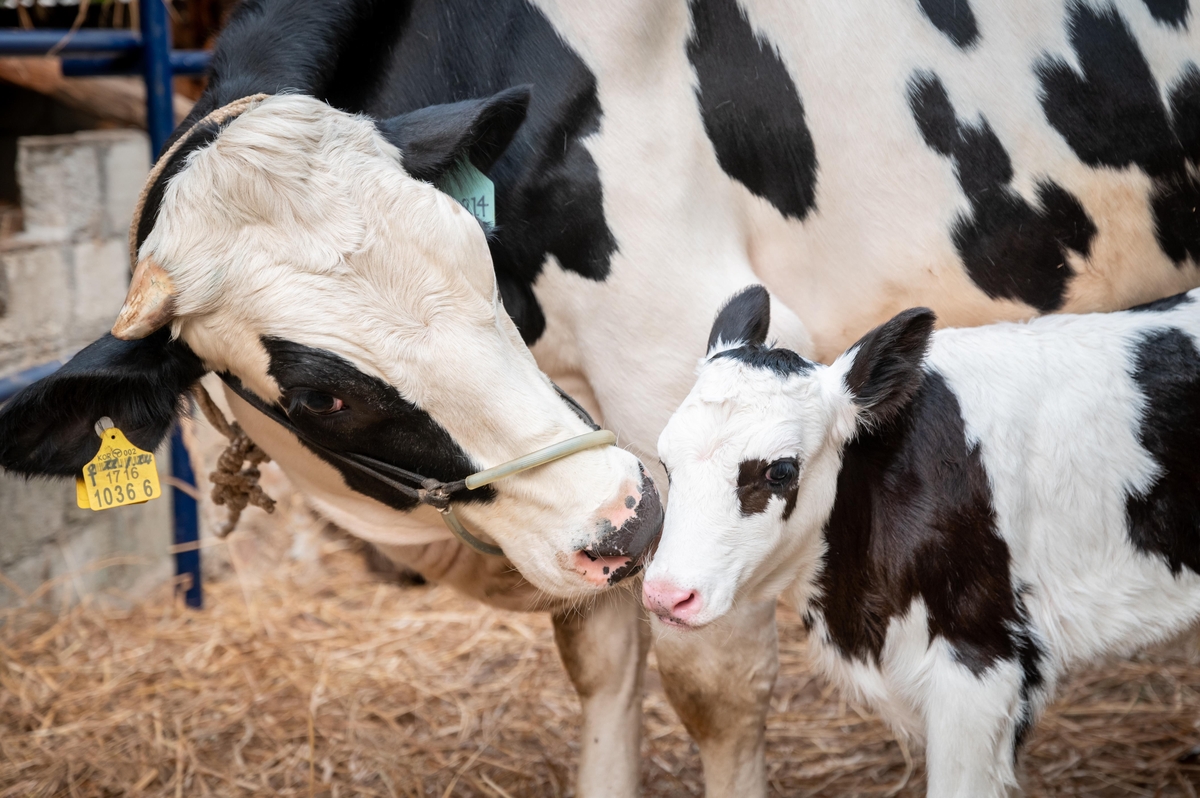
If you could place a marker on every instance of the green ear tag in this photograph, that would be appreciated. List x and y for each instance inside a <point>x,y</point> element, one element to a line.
<point>473,190</point>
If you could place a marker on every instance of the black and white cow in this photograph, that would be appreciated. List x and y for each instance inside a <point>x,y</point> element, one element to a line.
<point>992,159</point>
<point>960,516</point>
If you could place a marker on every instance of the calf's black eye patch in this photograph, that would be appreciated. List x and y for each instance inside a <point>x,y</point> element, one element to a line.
<point>759,480</point>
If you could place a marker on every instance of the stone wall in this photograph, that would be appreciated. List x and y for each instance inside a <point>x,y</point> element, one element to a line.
<point>62,280</point>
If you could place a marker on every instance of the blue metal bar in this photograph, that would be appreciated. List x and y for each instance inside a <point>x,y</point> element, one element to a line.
<point>160,121</point>
<point>190,62</point>
<point>13,383</point>
<point>156,66</point>
<point>14,41</point>
<point>183,62</point>
<point>187,522</point>
<point>86,66</point>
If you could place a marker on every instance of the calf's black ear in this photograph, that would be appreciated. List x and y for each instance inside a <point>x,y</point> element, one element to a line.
<point>744,320</point>
<point>48,428</point>
<point>433,139</point>
<point>886,370</point>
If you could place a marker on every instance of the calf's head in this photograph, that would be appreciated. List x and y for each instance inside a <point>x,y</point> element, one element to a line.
<point>753,455</point>
<point>303,254</point>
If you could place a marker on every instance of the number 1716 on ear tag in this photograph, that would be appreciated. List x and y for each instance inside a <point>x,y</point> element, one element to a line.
<point>120,474</point>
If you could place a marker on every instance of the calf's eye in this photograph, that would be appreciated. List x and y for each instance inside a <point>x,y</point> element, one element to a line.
<point>781,472</point>
<point>318,403</point>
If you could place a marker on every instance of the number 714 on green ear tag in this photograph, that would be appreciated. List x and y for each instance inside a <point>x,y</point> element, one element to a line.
<point>473,190</point>
<point>120,474</point>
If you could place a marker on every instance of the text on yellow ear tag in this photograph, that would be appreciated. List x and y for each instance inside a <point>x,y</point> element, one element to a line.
<point>120,474</point>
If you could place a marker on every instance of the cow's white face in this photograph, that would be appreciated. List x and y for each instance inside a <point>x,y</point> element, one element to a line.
<point>753,456</point>
<point>310,266</point>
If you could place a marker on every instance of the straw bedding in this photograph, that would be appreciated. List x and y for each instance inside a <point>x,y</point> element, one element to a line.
<point>311,678</point>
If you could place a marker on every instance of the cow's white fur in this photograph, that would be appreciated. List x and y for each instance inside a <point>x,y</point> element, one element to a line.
<point>320,237</point>
<point>1055,412</point>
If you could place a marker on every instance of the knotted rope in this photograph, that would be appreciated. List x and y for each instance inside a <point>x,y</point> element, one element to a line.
<point>234,486</point>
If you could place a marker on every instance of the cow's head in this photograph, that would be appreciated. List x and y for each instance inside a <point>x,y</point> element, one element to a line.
<point>302,253</point>
<point>753,455</point>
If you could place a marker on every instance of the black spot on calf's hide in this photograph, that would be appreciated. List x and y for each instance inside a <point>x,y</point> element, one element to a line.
<point>913,519</point>
<point>1165,519</point>
<point>1011,249</point>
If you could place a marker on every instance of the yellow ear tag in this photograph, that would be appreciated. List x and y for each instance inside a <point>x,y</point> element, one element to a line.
<point>120,474</point>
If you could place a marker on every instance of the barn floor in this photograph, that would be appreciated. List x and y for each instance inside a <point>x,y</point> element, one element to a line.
<point>314,679</point>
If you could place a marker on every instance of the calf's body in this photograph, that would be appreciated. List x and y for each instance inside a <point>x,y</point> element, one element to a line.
<point>973,512</point>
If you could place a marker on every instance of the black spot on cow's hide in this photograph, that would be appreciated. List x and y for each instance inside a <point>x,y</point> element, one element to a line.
<point>1011,249</point>
<point>1113,115</point>
<point>1169,12</point>
<point>1165,520</point>
<point>913,518</point>
<point>751,109</point>
<point>954,18</point>
<point>376,421</point>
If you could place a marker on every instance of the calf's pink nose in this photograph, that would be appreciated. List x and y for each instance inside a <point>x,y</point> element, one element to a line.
<point>674,605</point>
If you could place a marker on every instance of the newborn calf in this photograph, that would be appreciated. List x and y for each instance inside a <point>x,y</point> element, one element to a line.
<point>960,516</point>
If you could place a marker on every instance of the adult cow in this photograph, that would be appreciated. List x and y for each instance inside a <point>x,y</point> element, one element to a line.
<point>991,160</point>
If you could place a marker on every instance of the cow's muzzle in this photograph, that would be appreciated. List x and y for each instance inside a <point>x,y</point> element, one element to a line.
<point>619,549</point>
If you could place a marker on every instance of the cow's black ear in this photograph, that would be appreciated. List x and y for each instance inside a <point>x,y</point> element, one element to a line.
<point>745,319</point>
<point>886,369</point>
<point>433,139</point>
<point>48,428</point>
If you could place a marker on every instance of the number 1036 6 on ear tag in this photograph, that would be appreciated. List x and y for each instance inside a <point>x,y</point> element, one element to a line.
<point>120,474</point>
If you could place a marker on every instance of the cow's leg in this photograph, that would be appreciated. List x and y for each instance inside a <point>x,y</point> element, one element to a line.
<point>603,645</point>
<point>719,679</point>
<point>970,723</point>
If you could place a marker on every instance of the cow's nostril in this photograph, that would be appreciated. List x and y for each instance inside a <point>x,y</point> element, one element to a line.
<point>639,531</point>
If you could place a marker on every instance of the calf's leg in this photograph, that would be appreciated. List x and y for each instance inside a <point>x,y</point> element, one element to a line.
<point>719,679</point>
<point>970,726</point>
<point>603,645</point>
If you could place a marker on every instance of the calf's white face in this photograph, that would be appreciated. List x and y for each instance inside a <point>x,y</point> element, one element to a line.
<point>753,455</point>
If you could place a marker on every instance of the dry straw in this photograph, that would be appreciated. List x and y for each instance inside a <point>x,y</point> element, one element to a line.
<point>310,679</point>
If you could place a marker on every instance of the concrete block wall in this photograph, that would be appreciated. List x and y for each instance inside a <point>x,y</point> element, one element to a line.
<point>62,281</point>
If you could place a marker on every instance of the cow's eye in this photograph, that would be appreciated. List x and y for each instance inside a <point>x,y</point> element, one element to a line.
<point>318,403</point>
<point>781,472</point>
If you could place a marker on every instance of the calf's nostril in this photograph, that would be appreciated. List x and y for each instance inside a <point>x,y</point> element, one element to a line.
<point>688,606</point>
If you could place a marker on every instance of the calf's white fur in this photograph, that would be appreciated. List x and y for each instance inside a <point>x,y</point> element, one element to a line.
<point>1055,412</point>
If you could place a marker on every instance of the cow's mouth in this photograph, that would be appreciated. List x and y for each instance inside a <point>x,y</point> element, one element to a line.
<point>603,571</point>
